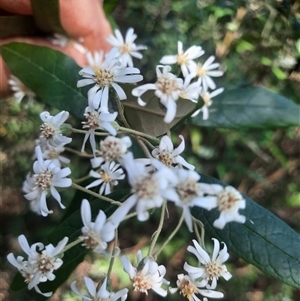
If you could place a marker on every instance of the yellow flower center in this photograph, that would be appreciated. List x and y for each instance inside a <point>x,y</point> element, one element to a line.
<point>181,59</point>
<point>213,270</point>
<point>103,77</point>
<point>200,70</point>
<point>227,199</point>
<point>165,157</point>
<point>187,289</point>
<point>187,190</point>
<point>167,85</point>
<point>141,283</point>
<point>146,188</point>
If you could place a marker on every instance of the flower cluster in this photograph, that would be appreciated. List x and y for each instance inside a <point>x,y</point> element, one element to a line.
<point>161,178</point>
<point>48,172</point>
<point>196,82</point>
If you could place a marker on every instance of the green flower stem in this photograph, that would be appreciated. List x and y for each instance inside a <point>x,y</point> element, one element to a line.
<point>130,215</point>
<point>71,245</point>
<point>159,228</point>
<point>78,131</point>
<point>144,148</point>
<point>200,237</point>
<point>170,237</point>
<point>121,111</point>
<point>147,142</point>
<point>111,263</point>
<point>80,154</point>
<point>81,179</point>
<point>99,196</point>
<point>136,133</point>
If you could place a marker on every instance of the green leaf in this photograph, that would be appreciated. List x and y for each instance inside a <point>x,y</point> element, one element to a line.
<point>263,240</point>
<point>251,107</point>
<point>50,74</point>
<point>13,26</point>
<point>150,118</point>
<point>47,17</point>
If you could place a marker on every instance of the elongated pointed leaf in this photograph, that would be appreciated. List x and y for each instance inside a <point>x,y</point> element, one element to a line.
<point>46,14</point>
<point>50,74</point>
<point>264,240</point>
<point>251,107</point>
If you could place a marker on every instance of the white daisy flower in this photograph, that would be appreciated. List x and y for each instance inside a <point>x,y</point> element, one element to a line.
<point>40,265</point>
<point>97,120</point>
<point>190,91</point>
<point>204,72</point>
<point>168,155</point>
<point>207,98</point>
<point>95,235</point>
<point>107,177</point>
<point>213,267</point>
<point>50,129</point>
<point>189,287</point>
<point>109,74</point>
<point>63,41</point>
<point>20,90</point>
<point>101,294</point>
<point>146,275</point>
<point>53,153</point>
<point>167,88</point>
<point>228,201</point>
<point>126,49</point>
<point>149,190</point>
<point>46,177</point>
<point>111,149</point>
<point>183,58</point>
<point>190,194</point>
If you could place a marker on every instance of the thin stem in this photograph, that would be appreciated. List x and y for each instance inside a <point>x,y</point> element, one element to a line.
<point>137,133</point>
<point>72,244</point>
<point>78,131</point>
<point>71,150</point>
<point>81,179</point>
<point>130,215</point>
<point>200,237</point>
<point>147,142</point>
<point>99,196</point>
<point>111,263</point>
<point>144,148</point>
<point>170,237</point>
<point>121,111</point>
<point>159,228</point>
